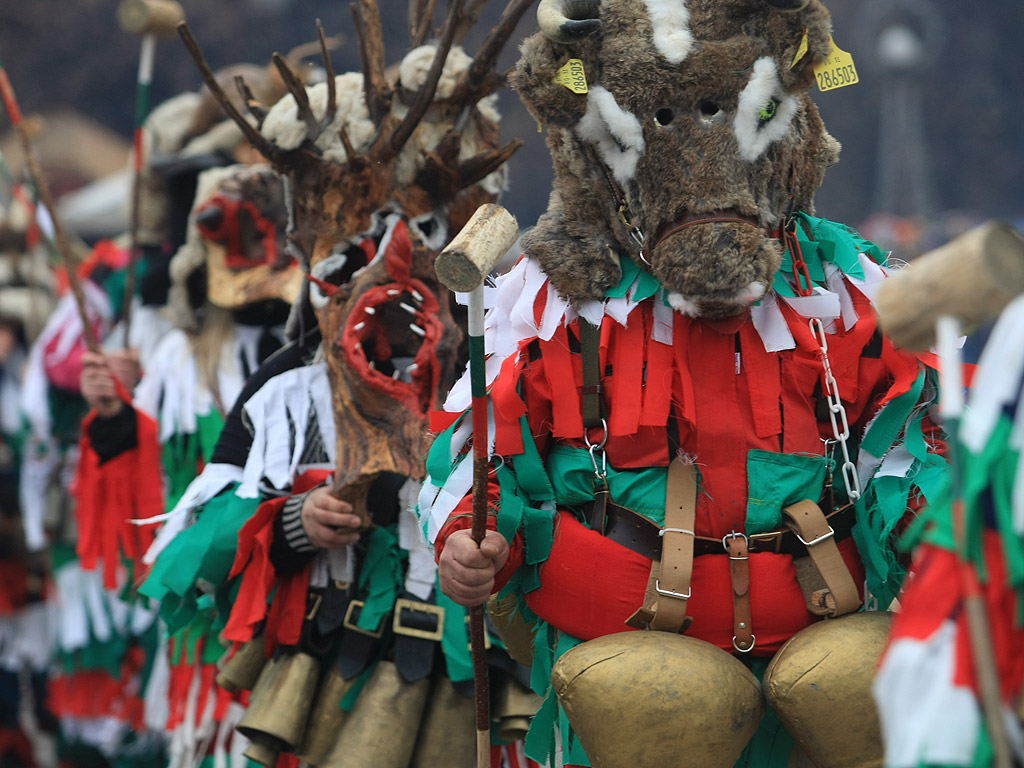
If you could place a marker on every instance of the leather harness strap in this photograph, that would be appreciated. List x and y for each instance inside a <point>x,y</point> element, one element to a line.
<point>590,352</point>
<point>668,586</point>
<point>743,639</point>
<point>808,522</point>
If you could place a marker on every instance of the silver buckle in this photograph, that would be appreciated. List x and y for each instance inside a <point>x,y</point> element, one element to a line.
<point>735,535</point>
<point>670,593</point>
<point>823,536</point>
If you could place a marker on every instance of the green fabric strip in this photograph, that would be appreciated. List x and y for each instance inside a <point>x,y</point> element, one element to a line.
<point>380,579</point>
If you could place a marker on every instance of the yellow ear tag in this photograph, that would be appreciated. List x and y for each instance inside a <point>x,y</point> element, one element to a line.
<point>801,51</point>
<point>836,71</point>
<point>572,76</point>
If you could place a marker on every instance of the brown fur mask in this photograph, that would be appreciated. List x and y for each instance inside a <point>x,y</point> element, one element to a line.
<point>695,140</point>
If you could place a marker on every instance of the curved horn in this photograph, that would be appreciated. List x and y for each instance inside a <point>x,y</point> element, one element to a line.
<point>788,6</point>
<point>566,20</point>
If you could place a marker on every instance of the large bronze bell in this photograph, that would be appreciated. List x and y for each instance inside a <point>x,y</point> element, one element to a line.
<point>514,708</point>
<point>655,699</point>
<point>448,734</point>
<point>822,677</point>
<point>241,671</point>
<point>280,703</point>
<point>381,729</point>
<point>326,718</point>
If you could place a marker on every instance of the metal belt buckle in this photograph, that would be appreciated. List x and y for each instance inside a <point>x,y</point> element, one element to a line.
<point>823,536</point>
<point>735,535</point>
<point>670,593</point>
<point>405,604</point>
<point>352,616</point>
<point>487,636</point>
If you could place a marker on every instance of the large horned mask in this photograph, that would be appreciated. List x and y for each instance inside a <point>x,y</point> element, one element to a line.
<point>383,166</point>
<point>694,141</point>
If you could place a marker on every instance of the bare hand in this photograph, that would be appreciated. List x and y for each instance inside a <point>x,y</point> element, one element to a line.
<point>124,364</point>
<point>97,385</point>
<point>466,570</point>
<point>323,515</point>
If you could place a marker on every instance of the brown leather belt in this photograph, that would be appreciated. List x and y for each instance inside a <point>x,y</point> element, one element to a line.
<point>635,532</point>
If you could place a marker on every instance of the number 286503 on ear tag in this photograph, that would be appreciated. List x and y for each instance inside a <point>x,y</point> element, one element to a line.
<point>572,76</point>
<point>837,71</point>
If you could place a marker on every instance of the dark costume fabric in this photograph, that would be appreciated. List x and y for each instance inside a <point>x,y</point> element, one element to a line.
<point>741,399</point>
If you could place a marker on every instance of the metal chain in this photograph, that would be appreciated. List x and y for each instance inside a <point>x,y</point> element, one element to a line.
<point>836,412</point>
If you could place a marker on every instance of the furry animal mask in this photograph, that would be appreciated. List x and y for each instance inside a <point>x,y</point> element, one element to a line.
<point>694,140</point>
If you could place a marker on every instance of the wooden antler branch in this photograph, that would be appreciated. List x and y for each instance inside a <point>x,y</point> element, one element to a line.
<point>473,169</point>
<point>421,18</point>
<point>332,87</point>
<point>266,148</point>
<point>366,16</point>
<point>479,80</point>
<point>251,102</point>
<point>298,90</point>
<point>425,94</point>
<point>469,16</point>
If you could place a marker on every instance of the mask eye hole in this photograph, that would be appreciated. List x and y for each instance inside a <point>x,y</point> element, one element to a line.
<point>664,116</point>
<point>709,108</point>
<point>768,111</point>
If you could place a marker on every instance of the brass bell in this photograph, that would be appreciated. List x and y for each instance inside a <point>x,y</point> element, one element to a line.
<point>448,733</point>
<point>513,629</point>
<point>326,718</point>
<point>514,709</point>
<point>263,752</point>
<point>651,699</point>
<point>381,729</point>
<point>280,703</point>
<point>241,671</point>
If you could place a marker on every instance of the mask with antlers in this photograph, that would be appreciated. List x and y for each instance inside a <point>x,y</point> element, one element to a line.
<point>382,166</point>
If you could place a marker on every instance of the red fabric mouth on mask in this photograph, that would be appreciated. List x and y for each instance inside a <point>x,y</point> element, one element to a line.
<point>407,310</point>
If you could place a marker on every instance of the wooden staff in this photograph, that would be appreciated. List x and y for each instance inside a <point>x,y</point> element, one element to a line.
<point>964,283</point>
<point>150,19</point>
<point>43,189</point>
<point>463,267</point>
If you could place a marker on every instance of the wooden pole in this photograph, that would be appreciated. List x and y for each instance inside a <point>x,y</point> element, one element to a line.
<point>463,266</point>
<point>43,189</point>
<point>951,406</point>
<point>150,19</point>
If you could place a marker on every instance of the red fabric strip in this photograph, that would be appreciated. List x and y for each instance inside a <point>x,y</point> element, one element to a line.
<point>627,347</point>
<point>559,370</point>
<point>761,369</point>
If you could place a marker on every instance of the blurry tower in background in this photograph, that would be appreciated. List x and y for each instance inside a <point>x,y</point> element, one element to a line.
<point>905,37</point>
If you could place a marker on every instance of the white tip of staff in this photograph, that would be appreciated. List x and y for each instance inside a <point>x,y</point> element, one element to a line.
<point>951,377</point>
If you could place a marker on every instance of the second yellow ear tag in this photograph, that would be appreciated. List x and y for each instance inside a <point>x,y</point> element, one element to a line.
<point>836,71</point>
<point>801,50</point>
<point>572,76</point>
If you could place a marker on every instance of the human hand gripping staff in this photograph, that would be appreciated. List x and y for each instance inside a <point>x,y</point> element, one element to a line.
<point>463,266</point>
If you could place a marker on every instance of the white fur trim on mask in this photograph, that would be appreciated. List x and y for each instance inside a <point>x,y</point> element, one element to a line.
<point>616,133</point>
<point>751,293</point>
<point>763,86</point>
<point>670,21</point>
<point>333,263</point>
<point>683,305</point>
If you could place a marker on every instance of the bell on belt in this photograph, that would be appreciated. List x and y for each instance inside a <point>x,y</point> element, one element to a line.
<point>326,718</point>
<point>654,699</point>
<point>448,733</point>
<point>279,705</point>
<point>513,629</point>
<point>241,671</point>
<point>822,677</point>
<point>515,707</point>
<point>381,729</point>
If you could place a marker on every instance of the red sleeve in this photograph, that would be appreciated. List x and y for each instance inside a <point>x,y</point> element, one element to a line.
<point>462,519</point>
